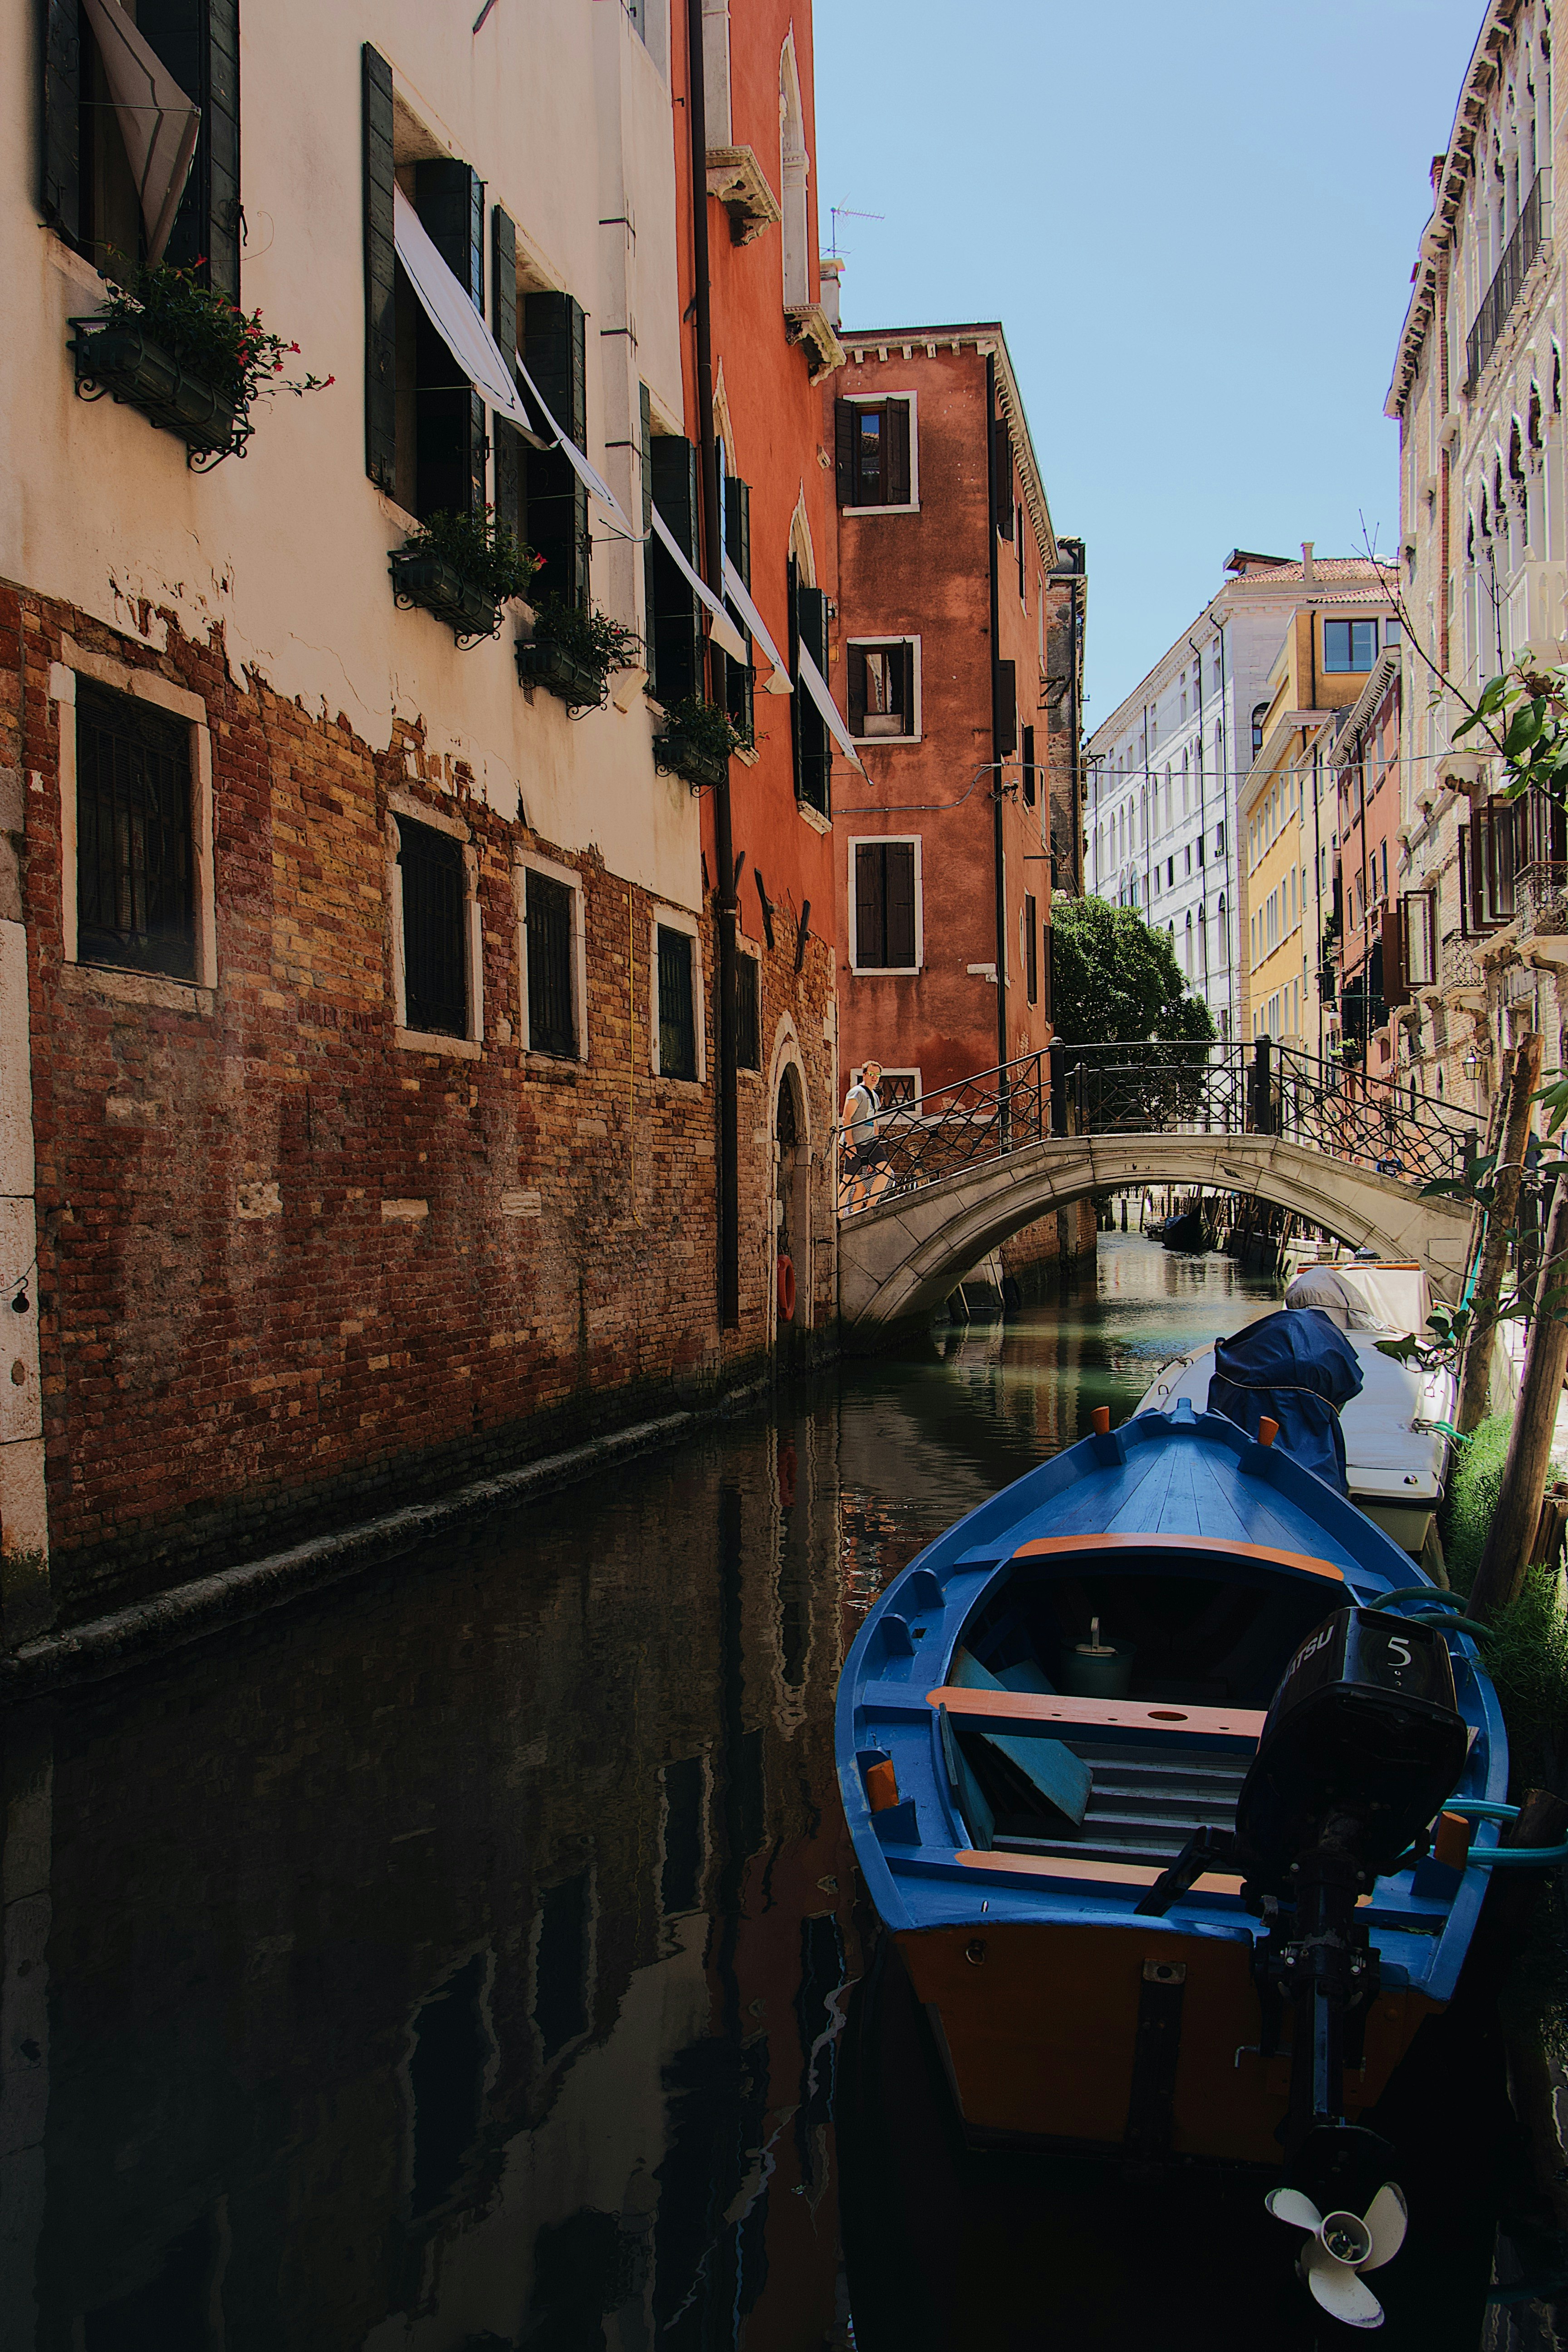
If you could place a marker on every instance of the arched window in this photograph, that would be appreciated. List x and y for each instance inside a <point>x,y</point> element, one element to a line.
<point>1224,933</point>
<point>1185,798</point>
<point>792,181</point>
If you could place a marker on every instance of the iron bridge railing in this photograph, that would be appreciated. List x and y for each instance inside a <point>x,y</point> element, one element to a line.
<point>1366,1122</point>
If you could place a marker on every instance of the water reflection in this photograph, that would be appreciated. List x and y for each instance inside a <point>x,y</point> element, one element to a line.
<point>463,1961</point>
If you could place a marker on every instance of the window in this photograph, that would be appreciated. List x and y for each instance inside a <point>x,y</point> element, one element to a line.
<point>748,1013</point>
<point>887,927</point>
<point>685,1826</point>
<point>1391,633</point>
<point>882,689</point>
<point>740,677</point>
<point>88,189</point>
<point>555,345</point>
<point>1032,949</point>
<point>136,850</point>
<point>435,958</point>
<point>552,996</point>
<point>1349,645</point>
<point>874,451</point>
<point>674,619</point>
<point>677,1004</point>
<point>1028,755</point>
<point>1260,713</point>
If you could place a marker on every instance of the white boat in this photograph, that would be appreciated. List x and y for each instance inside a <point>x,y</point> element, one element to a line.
<point>1396,1455</point>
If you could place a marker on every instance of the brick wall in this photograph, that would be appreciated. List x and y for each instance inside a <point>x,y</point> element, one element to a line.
<point>289,1270</point>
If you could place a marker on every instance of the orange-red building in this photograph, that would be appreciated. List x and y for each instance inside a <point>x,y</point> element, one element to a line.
<point>958,658</point>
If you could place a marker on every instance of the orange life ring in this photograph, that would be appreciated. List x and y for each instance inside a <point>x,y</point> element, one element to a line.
<point>787,1288</point>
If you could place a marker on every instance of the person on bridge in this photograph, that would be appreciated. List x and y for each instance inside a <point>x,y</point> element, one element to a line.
<point>866,1175</point>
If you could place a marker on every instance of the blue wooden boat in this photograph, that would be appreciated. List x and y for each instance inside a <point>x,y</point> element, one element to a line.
<point>1140,1761</point>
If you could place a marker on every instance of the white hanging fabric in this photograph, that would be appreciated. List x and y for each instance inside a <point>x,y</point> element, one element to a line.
<point>594,482</point>
<point>157,121</point>
<point>725,634</point>
<point>815,685</point>
<point>450,311</point>
<point>739,595</point>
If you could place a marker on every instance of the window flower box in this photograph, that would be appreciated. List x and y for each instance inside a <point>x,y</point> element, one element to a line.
<point>541,662</point>
<point>678,755</point>
<point>423,578</point>
<point>125,362</point>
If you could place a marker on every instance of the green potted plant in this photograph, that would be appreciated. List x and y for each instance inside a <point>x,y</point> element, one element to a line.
<point>696,742</point>
<point>463,568</point>
<point>572,653</point>
<point>188,357</point>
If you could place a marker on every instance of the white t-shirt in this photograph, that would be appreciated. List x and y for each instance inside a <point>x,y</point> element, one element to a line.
<point>860,1109</point>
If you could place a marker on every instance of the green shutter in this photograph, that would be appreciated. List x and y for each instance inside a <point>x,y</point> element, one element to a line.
<point>675,625</point>
<point>900,889</point>
<point>813,744</point>
<point>844,450</point>
<point>739,680</point>
<point>1006,710</point>
<point>200,46</point>
<point>555,350</point>
<point>645,427</point>
<point>449,414</point>
<point>380,277</point>
<point>59,147</point>
<point>503,299</point>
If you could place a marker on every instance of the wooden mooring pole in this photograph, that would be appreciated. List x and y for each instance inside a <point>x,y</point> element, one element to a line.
<point>1511,1537</point>
<point>1475,1373</point>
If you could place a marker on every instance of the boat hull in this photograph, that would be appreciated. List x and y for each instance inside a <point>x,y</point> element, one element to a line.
<point>1066,2035</point>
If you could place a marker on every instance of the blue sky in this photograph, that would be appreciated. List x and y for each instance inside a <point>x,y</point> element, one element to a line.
<point>1196,225</point>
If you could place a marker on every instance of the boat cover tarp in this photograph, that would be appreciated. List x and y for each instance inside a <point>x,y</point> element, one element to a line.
<point>1365,1298</point>
<point>1299,1369</point>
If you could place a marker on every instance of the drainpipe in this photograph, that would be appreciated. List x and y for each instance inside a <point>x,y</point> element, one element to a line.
<point>998,802</point>
<point>713,565</point>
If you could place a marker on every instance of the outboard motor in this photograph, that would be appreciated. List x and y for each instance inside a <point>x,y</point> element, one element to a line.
<point>1361,1746</point>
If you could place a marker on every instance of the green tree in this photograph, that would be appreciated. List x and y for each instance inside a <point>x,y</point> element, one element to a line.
<point>1115,980</point>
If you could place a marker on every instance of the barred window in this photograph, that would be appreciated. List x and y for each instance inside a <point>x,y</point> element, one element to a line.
<point>552,1008</point>
<point>748,1015</point>
<point>677,1006</point>
<point>135,854</point>
<point>436,979</point>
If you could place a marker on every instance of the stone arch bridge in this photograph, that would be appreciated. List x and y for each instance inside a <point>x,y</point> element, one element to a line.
<point>972,1166</point>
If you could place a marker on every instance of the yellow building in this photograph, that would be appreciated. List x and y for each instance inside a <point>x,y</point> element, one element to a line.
<point>1289,801</point>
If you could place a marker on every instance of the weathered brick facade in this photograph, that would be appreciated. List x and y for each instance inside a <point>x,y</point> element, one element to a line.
<point>290,1269</point>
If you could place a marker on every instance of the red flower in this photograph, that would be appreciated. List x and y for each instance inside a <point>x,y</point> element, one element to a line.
<point>331,379</point>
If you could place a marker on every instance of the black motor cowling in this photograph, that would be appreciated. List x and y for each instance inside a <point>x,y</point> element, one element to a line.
<point>1363,1743</point>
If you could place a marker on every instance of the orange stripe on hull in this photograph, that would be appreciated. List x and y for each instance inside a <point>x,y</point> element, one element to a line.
<point>1124,1714</point>
<point>1072,1865</point>
<point>1040,2024</point>
<point>1049,1547</point>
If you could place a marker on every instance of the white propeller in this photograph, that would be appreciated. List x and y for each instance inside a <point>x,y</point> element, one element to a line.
<point>1339,2246</point>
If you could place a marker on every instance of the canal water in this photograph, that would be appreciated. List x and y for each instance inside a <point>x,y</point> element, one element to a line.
<point>474,1959</point>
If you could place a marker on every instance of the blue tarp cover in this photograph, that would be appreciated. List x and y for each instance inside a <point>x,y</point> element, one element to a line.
<point>1299,1368</point>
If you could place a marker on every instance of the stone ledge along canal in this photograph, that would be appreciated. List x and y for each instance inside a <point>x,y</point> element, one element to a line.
<point>472,1957</point>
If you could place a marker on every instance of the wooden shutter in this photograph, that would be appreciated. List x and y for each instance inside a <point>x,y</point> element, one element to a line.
<point>1048,973</point>
<point>813,744</point>
<point>870,907</point>
<point>1002,484</point>
<point>200,46</point>
<point>843,442</point>
<point>1031,948</point>
<point>380,275</point>
<point>449,199</point>
<point>1394,988</point>
<point>675,627</point>
<point>906,658</point>
<point>555,348</point>
<point>1468,925</point>
<point>1006,710</point>
<point>900,902</point>
<point>503,304</point>
<point>740,677</point>
<point>59,146</point>
<point>896,458</point>
<point>857,689</point>
<point>1029,758</point>
<point>650,545</point>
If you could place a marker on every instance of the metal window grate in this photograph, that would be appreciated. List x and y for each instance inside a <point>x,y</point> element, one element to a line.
<point>1503,292</point>
<point>436,981</point>
<point>552,1013</point>
<point>135,902</point>
<point>676,1009</point>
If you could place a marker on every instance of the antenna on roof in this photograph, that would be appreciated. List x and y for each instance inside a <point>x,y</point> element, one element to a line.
<point>835,213</point>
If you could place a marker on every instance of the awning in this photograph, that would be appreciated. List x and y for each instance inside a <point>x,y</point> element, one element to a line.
<point>739,595</point>
<point>725,634</point>
<point>451,312</point>
<point>815,685</point>
<point>157,121</point>
<point>594,482</point>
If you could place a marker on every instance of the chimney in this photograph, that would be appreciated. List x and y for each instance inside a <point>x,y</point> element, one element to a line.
<point>1307,570</point>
